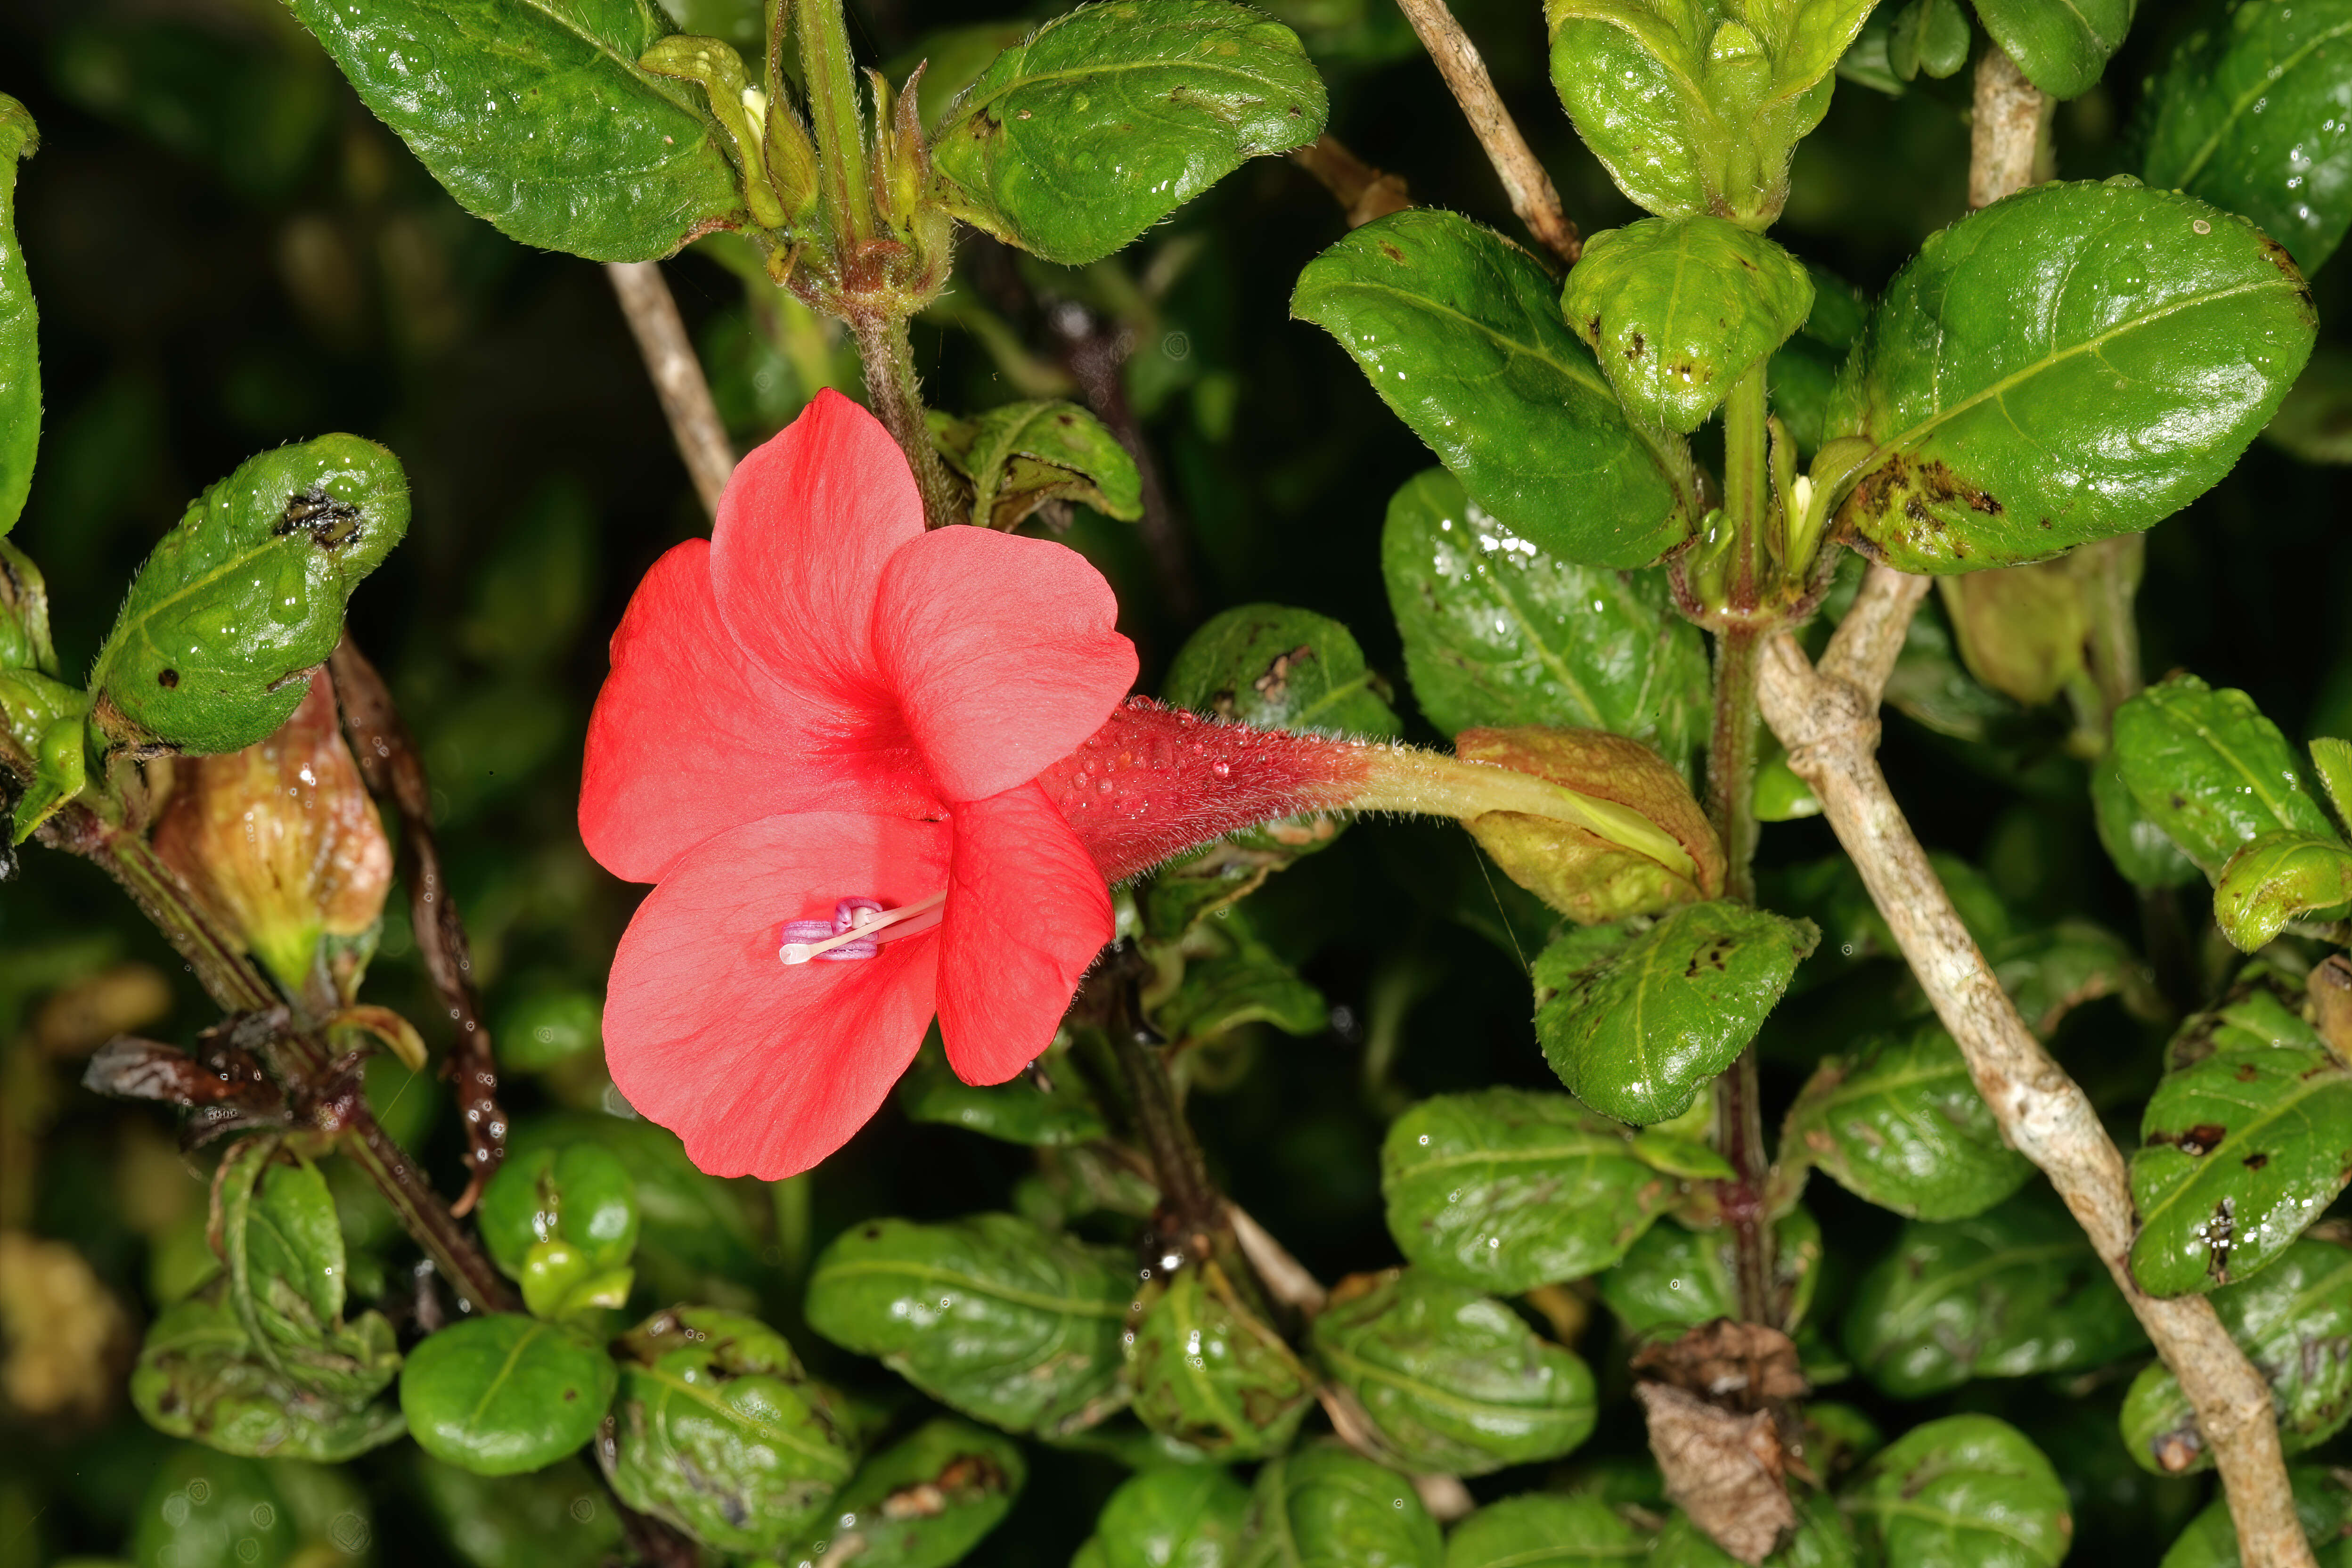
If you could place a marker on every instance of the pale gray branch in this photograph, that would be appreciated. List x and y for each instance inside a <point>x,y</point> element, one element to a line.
<point>2008,131</point>
<point>1532,195</point>
<point>694,422</point>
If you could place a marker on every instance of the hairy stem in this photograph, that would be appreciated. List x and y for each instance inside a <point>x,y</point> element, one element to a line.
<point>1828,719</point>
<point>1532,195</point>
<point>894,393</point>
<point>830,78</point>
<point>678,382</point>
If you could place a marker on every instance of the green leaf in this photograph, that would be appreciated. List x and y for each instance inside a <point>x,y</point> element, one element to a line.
<point>202,1510</point>
<point>1451,1382</point>
<point>2331,759</point>
<point>2209,771</point>
<point>581,1195</point>
<point>1695,106</point>
<point>1675,1279</point>
<point>1545,1529</point>
<point>503,1394</point>
<point>2249,115</point>
<point>2323,1505</point>
<point>2238,1152</point>
<point>1899,1123</point>
<point>695,1239</point>
<point>2142,851</point>
<point>1507,1189</point>
<point>1823,1540</point>
<point>1104,121</point>
<point>2021,629</point>
<point>20,351</point>
<point>2063,49</point>
<point>1219,995</point>
<point>2295,1323</point>
<point>1677,309</point>
<point>1968,1489</point>
<point>2315,422</point>
<point>1322,1507</point>
<point>719,1431</point>
<point>1929,36</point>
<point>536,116</point>
<point>2263,1010</point>
<point>246,595</point>
<point>548,1027</point>
<point>1025,456</point>
<point>2016,368</point>
<point>199,1376</point>
<point>923,1503</point>
<point>1189,1516</point>
<point>1016,1112</point>
<point>2276,878</point>
<point>560,1517</point>
<point>1636,1018</point>
<point>1460,332</point>
<point>2050,972</point>
<point>1498,634</point>
<point>1207,1371</point>
<point>2014,1292</point>
<point>990,1315</point>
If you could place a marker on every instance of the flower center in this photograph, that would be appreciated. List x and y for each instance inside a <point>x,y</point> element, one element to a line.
<point>858,928</point>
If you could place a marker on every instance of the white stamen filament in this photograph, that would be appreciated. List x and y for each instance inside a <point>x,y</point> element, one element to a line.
<point>869,926</point>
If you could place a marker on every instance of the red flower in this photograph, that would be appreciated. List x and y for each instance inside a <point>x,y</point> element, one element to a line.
<point>823,717</point>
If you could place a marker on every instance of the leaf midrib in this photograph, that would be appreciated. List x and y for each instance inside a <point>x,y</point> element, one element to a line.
<point>708,1398</point>
<point>1267,86</point>
<point>1018,1297</point>
<point>2302,1090</point>
<point>1572,371</point>
<point>2278,73</point>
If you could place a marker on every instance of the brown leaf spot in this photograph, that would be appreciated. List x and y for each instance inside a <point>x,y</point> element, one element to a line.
<point>2255,1161</point>
<point>169,680</point>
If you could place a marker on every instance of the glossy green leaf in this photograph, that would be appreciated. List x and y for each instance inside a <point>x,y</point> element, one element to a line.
<point>560,1517</point>
<point>1823,1539</point>
<point>247,594</point>
<point>989,1314</point>
<point>2263,1010</point>
<point>501,1394</point>
<point>1024,456</point>
<point>1899,1123</point>
<point>1637,1019</point>
<point>2249,115</point>
<point>200,1375</point>
<point>2238,1153</point>
<point>2209,771</point>
<point>1189,1516</point>
<point>20,353</point>
<point>2051,971</point>
<point>1461,334</point>
<point>581,1195</point>
<point>1452,1381</point>
<point>1507,1189</point>
<point>1545,1529</point>
<point>1678,310</point>
<point>1104,121</point>
<point>923,1503</point>
<point>1016,1112</point>
<point>1206,1371</point>
<point>2062,50</point>
<point>1323,1507</point>
<point>2016,369</point>
<point>2331,759</point>
<point>1695,106</point>
<point>1278,669</point>
<point>1675,1279</point>
<point>1218,995</point>
<point>2323,1505</point>
<point>1967,1489</point>
<point>719,1431</point>
<point>1499,634</point>
<point>2295,1323</point>
<point>2014,1292</point>
<point>2315,422</point>
<point>2276,878</point>
<point>536,116</point>
<point>1929,36</point>
<point>695,1239</point>
<point>2141,850</point>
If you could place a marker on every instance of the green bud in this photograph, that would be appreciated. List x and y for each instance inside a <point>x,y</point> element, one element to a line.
<point>565,1218</point>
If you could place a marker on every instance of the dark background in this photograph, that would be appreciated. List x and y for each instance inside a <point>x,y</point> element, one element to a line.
<point>230,253</point>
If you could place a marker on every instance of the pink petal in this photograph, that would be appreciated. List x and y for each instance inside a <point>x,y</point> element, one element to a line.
<point>803,530</point>
<point>1027,913</point>
<point>691,736</point>
<point>764,1070</point>
<point>1003,653</point>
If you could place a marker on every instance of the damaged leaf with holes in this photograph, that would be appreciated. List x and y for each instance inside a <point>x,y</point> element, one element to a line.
<point>214,648</point>
<point>924,1502</point>
<point>2295,1323</point>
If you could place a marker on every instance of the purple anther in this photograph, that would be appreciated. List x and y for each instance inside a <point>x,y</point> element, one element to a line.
<point>818,930</point>
<point>845,913</point>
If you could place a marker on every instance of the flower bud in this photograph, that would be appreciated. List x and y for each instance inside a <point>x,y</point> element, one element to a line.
<point>281,847</point>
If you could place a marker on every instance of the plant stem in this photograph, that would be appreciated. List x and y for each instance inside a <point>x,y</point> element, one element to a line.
<point>831,79</point>
<point>894,394</point>
<point>1828,718</point>
<point>1533,195</point>
<point>678,381</point>
<point>1175,1158</point>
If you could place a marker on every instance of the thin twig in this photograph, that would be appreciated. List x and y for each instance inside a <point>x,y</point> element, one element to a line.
<point>1532,195</point>
<point>1096,348</point>
<point>2008,131</point>
<point>694,422</point>
<point>1363,192</point>
<point>1828,719</point>
<point>394,772</point>
<point>1287,1279</point>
